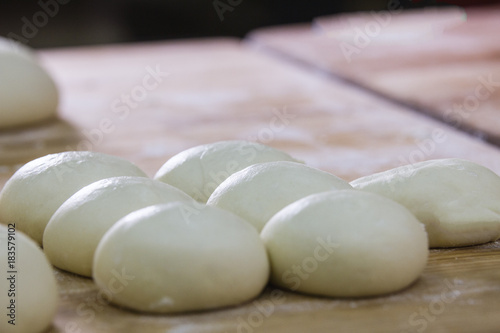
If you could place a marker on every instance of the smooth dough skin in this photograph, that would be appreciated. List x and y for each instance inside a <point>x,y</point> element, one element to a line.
<point>199,170</point>
<point>457,200</point>
<point>181,257</point>
<point>37,189</point>
<point>27,92</point>
<point>11,46</point>
<point>345,243</point>
<point>35,290</point>
<point>259,191</point>
<point>75,229</point>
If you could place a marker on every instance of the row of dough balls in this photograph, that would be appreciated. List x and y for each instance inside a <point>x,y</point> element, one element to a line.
<point>266,215</point>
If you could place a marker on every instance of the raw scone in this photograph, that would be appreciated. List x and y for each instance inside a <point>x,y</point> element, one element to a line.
<point>345,243</point>
<point>259,191</point>
<point>27,92</point>
<point>457,200</point>
<point>181,257</point>
<point>75,229</point>
<point>199,170</point>
<point>37,189</point>
<point>28,290</point>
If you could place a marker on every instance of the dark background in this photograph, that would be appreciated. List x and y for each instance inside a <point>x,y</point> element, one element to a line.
<point>80,22</point>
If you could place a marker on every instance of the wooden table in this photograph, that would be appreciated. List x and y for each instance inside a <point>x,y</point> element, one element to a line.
<point>444,62</point>
<point>219,89</point>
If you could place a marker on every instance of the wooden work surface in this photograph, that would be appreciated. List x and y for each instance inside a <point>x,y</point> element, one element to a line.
<point>436,60</point>
<point>220,89</point>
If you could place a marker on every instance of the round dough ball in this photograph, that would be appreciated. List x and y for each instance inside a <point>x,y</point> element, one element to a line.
<point>457,200</point>
<point>37,189</point>
<point>11,46</point>
<point>32,287</point>
<point>260,191</point>
<point>345,243</point>
<point>27,92</point>
<point>75,229</point>
<point>199,170</point>
<point>181,257</point>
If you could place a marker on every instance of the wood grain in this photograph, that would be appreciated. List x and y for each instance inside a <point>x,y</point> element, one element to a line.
<point>220,89</point>
<point>432,59</point>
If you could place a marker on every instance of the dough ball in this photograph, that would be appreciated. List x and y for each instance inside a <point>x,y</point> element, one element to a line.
<point>32,287</point>
<point>11,46</point>
<point>181,257</point>
<point>457,200</point>
<point>345,243</point>
<point>199,170</point>
<point>260,191</point>
<point>27,92</point>
<point>75,229</point>
<point>37,189</point>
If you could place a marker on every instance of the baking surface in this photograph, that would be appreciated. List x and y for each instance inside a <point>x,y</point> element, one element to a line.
<point>210,90</point>
<point>458,292</point>
<point>446,61</point>
<point>213,90</point>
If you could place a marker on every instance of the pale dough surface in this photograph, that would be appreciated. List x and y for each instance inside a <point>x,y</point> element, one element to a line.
<point>259,191</point>
<point>457,200</point>
<point>36,292</point>
<point>199,170</point>
<point>27,92</point>
<point>11,46</point>
<point>38,188</point>
<point>345,243</point>
<point>75,229</point>
<point>181,257</point>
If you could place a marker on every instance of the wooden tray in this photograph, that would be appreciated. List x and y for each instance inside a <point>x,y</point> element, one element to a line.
<point>442,61</point>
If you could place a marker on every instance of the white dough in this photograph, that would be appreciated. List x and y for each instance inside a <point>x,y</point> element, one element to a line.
<point>34,288</point>
<point>75,229</point>
<point>37,189</point>
<point>259,191</point>
<point>345,243</point>
<point>457,200</point>
<point>199,170</point>
<point>11,46</point>
<point>181,257</point>
<point>27,92</point>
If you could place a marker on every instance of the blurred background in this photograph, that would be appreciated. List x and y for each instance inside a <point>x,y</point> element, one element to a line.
<point>84,22</point>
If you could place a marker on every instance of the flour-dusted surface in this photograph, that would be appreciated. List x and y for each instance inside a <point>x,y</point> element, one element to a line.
<point>326,123</point>
<point>457,292</point>
<point>443,61</point>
